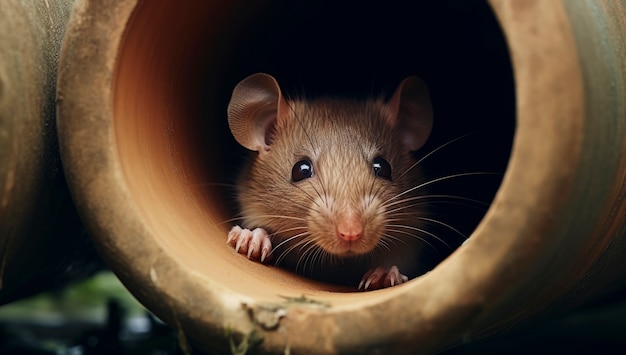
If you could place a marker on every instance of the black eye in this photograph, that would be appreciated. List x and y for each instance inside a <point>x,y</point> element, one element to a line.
<point>381,168</point>
<point>301,170</point>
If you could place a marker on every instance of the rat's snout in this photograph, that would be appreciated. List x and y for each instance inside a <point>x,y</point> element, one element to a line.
<point>349,227</point>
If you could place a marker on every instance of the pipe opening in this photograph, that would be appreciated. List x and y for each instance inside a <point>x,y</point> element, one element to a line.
<point>178,64</point>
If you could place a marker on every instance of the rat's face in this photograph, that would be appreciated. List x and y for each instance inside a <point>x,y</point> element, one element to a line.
<point>332,177</point>
<point>336,181</point>
<point>350,192</point>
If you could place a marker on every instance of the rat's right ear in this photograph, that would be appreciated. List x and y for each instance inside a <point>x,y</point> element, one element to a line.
<point>411,111</point>
<point>255,105</point>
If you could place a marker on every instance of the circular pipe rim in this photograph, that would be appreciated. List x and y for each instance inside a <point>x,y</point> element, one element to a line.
<point>380,317</point>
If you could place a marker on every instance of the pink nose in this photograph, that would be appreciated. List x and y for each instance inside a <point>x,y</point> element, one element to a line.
<point>349,228</point>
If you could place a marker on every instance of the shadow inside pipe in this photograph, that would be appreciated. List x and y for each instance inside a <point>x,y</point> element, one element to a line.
<point>182,160</point>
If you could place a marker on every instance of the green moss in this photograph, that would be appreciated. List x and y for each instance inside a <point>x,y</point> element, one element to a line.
<point>86,300</point>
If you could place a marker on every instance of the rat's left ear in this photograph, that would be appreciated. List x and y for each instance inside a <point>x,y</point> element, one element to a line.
<point>254,111</point>
<point>410,111</point>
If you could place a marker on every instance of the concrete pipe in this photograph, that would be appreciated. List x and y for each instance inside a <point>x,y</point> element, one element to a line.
<point>142,102</point>
<point>42,242</point>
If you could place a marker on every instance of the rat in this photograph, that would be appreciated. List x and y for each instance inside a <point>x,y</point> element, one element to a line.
<point>333,187</point>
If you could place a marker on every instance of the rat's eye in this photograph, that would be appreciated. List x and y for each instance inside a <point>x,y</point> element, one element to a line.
<point>381,168</point>
<point>301,170</point>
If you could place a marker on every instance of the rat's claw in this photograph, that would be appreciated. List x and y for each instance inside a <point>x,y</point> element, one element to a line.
<point>256,244</point>
<point>372,278</point>
<point>394,277</point>
<point>233,235</point>
<point>380,278</point>
<point>266,247</point>
<point>243,241</point>
<point>260,245</point>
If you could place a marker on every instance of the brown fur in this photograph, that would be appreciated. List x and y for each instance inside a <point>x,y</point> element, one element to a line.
<point>341,138</point>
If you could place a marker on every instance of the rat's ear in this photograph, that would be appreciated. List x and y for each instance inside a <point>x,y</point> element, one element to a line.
<point>253,109</point>
<point>410,110</point>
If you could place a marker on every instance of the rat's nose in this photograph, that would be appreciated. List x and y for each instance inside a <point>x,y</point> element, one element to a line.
<point>349,227</point>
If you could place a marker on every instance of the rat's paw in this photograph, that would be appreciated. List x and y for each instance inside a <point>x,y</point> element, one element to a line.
<point>380,278</point>
<point>256,244</point>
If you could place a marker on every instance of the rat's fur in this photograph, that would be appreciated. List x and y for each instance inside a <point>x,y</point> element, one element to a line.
<point>340,138</point>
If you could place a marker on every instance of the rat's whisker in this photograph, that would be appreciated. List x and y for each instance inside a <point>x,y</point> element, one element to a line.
<point>423,231</point>
<point>230,220</point>
<point>309,253</point>
<point>428,199</point>
<point>439,148</point>
<point>292,244</point>
<point>286,230</point>
<point>281,217</point>
<point>443,178</point>
<point>384,243</point>
<point>392,238</point>
<point>431,220</point>
<point>309,196</point>
<point>298,119</point>
<point>291,239</point>
<point>415,236</point>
